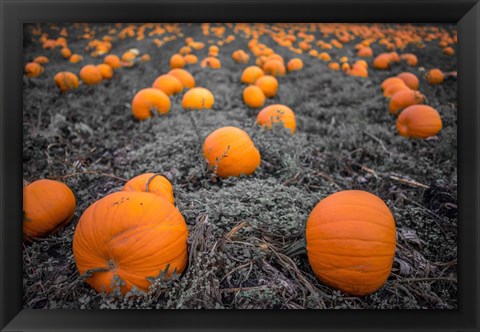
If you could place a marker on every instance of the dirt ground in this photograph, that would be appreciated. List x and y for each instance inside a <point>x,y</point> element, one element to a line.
<point>239,228</point>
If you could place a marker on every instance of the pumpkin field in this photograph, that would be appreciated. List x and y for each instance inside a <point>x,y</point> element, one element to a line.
<point>240,166</point>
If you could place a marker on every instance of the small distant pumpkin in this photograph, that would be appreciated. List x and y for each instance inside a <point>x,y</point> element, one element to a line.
<point>268,84</point>
<point>253,96</point>
<point>211,62</point>
<point>394,88</point>
<point>229,151</point>
<point>66,52</point>
<point>113,61</point>
<point>191,58</point>
<point>295,64</point>
<point>404,98</point>
<point>198,98</point>
<point>351,240</point>
<point>365,52</point>
<point>33,69</point>
<point>435,76</point>
<point>43,60</point>
<point>239,56</point>
<point>177,61</point>
<point>66,80</point>
<point>90,75</point>
<point>145,235</point>
<point>334,66</point>
<point>251,74</point>
<point>391,81</point>
<point>184,77</point>
<point>153,183</point>
<point>277,114</point>
<point>382,61</point>
<point>105,70</point>
<point>48,206</point>
<point>75,58</point>
<point>168,84</point>
<point>448,51</point>
<point>419,121</point>
<point>148,102</point>
<point>410,58</point>
<point>274,67</point>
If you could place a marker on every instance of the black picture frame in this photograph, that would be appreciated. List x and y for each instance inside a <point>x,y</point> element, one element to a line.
<point>466,13</point>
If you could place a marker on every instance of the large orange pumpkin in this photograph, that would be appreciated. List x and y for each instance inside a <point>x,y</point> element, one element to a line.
<point>351,241</point>
<point>66,80</point>
<point>48,205</point>
<point>268,84</point>
<point>419,121</point>
<point>277,113</point>
<point>229,151</point>
<point>151,182</point>
<point>132,235</point>
<point>184,77</point>
<point>198,98</point>
<point>148,102</point>
<point>33,69</point>
<point>168,84</point>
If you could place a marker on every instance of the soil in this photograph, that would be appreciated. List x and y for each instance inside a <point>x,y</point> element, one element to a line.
<point>240,228</point>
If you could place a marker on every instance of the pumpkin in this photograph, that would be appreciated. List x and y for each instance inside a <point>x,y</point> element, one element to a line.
<point>435,76</point>
<point>229,151</point>
<point>90,75</point>
<point>43,60</point>
<point>75,58</point>
<point>251,74</point>
<point>268,84</point>
<point>358,70</point>
<point>410,80</point>
<point>184,50</point>
<point>145,58</point>
<point>277,113</point>
<point>198,98</point>
<point>253,96</point>
<point>153,183</point>
<point>132,235</point>
<point>419,121</point>
<point>65,52</point>
<point>33,69</point>
<point>403,99</point>
<point>105,70</point>
<point>168,84</point>
<point>190,58</point>
<point>239,56</point>
<point>294,64</point>
<point>351,242</point>
<point>177,61</point>
<point>128,58</point>
<point>410,59</point>
<point>334,66</point>
<point>394,88</point>
<point>148,102</point>
<point>365,52</point>
<point>66,80</point>
<point>113,61</point>
<point>448,51</point>
<point>211,62</point>
<point>382,61</point>
<point>48,205</point>
<point>274,67</point>
<point>184,77</point>
<point>390,81</point>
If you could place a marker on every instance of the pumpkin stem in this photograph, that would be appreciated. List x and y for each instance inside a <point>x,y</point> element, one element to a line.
<point>150,179</point>
<point>110,266</point>
<point>297,248</point>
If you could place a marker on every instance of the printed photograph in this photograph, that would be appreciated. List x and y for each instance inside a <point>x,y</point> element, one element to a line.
<point>239,166</point>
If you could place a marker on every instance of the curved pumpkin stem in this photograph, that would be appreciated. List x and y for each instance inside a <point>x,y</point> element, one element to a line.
<point>110,266</point>
<point>150,179</point>
<point>297,248</point>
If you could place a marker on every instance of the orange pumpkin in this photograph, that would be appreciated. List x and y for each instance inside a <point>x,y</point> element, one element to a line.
<point>105,70</point>
<point>168,84</point>
<point>351,242</point>
<point>251,74</point>
<point>90,75</point>
<point>239,56</point>
<point>410,80</point>
<point>33,69</point>
<point>66,80</point>
<point>410,59</point>
<point>211,62</point>
<point>403,99</point>
<point>190,59</point>
<point>448,51</point>
<point>177,61</point>
<point>435,76</point>
<point>184,77</point>
<point>394,88</point>
<point>253,96</point>
<point>274,67</point>
<point>153,183</point>
<point>43,60</point>
<point>148,102</point>
<point>391,81</point>
<point>113,61</point>
<point>132,235</point>
<point>229,151</point>
<point>75,58</point>
<point>334,66</point>
<point>65,52</point>
<point>198,98</point>
<point>48,205</point>
<point>419,121</point>
<point>268,84</point>
<point>365,52</point>
<point>382,61</point>
<point>294,64</point>
<point>277,113</point>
